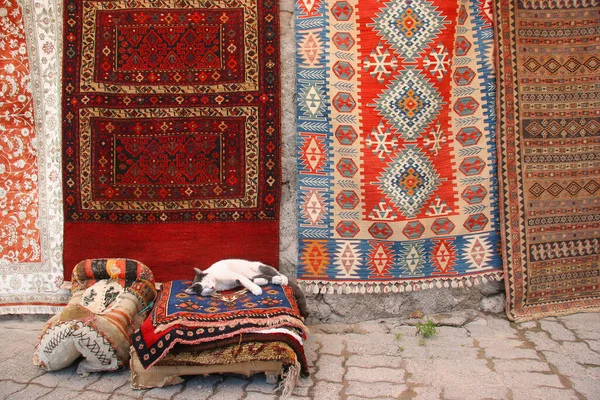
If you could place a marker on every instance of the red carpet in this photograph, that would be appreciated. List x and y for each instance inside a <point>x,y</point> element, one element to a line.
<point>171,133</point>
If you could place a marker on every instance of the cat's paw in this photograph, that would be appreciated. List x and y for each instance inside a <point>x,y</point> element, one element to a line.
<point>280,280</point>
<point>260,281</point>
<point>257,291</point>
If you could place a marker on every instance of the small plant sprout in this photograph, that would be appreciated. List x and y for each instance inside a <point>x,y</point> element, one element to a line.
<point>427,329</point>
<point>399,335</point>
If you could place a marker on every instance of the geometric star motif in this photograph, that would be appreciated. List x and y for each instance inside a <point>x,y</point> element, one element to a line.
<point>409,26</point>
<point>409,180</point>
<point>410,104</point>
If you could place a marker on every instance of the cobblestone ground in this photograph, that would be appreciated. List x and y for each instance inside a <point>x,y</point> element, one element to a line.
<point>473,356</point>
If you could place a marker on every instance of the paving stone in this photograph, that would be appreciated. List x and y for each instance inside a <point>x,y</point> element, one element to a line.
<point>569,367</point>
<point>449,373</point>
<point>585,325</point>
<point>330,368</point>
<point>9,387</point>
<point>164,392</point>
<point>557,331</point>
<point>542,341</point>
<point>327,390</point>
<point>426,392</point>
<point>474,392</point>
<point>260,396</point>
<point>521,366</point>
<point>544,393</point>
<point>375,390</point>
<point>581,353</point>
<point>375,374</point>
<point>259,384</point>
<point>67,378</point>
<point>198,387</point>
<point>230,389</point>
<point>588,386</point>
<point>377,344</point>
<point>482,328</point>
<point>68,394</point>
<point>110,381</point>
<point>368,362</point>
<point>303,387</point>
<point>20,368</point>
<point>522,379</point>
<point>527,325</point>
<point>30,392</point>
<point>506,349</point>
<point>310,350</point>
<point>594,345</point>
<point>331,344</point>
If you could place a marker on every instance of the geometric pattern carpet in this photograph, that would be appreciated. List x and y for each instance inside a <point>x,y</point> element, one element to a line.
<point>549,132</point>
<point>171,132</point>
<point>396,145</point>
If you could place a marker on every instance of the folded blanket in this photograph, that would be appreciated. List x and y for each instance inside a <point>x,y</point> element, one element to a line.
<point>275,305</point>
<point>180,319</point>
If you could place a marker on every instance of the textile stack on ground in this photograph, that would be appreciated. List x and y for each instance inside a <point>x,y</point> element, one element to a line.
<point>30,208</point>
<point>110,299</point>
<point>171,132</point>
<point>396,145</point>
<point>232,331</point>
<point>549,126</point>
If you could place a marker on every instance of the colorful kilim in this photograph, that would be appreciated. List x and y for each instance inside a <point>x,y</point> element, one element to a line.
<point>171,132</point>
<point>180,318</point>
<point>31,218</point>
<point>231,307</point>
<point>396,145</point>
<point>549,130</point>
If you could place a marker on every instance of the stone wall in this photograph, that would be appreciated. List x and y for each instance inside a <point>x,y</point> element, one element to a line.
<point>487,297</point>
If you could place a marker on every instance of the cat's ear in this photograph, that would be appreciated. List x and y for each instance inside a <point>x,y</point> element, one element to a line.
<point>198,271</point>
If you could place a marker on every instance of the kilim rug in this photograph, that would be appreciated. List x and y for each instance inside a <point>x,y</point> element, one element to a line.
<point>30,208</point>
<point>178,317</point>
<point>171,132</point>
<point>549,130</point>
<point>396,153</point>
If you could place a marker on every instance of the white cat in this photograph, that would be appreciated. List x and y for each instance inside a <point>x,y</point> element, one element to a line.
<point>228,274</point>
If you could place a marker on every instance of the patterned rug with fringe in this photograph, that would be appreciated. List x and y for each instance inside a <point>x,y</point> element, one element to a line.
<point>396,145</point>
<point>180,320</point>
<point>549,130</point>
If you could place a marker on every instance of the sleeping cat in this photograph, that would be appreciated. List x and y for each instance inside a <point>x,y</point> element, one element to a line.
<point>228,274</point>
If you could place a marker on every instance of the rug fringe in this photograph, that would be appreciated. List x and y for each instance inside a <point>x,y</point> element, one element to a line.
<point>412,285</point>
<point>31,309</point>
<point>290,380</point>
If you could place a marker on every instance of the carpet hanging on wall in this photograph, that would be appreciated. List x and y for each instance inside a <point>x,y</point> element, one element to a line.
<point>396,151</point>
<point>30,207</point>
<point>549,130</point>
<point>171,132</point>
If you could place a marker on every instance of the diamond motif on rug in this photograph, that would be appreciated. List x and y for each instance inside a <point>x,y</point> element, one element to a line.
<point>409,27</point>
<point>411,103</point>
<point>409,181</point>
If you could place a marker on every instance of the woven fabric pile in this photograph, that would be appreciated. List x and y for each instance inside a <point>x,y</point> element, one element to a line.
<point>228,328</point>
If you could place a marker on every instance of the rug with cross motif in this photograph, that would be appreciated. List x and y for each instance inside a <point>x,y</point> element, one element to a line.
<point>396,145</point>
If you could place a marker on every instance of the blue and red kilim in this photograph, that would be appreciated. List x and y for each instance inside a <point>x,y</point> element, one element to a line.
<point>396,145</point>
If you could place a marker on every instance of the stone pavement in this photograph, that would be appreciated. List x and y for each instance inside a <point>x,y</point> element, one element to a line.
<point>473,356</point>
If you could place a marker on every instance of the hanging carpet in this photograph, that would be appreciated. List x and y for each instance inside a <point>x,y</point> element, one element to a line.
<point>549,132</point>
<point>396,145</point>
<point>30,194</point>
<point>171,132</point>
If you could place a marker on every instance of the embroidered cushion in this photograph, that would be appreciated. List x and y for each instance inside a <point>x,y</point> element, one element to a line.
<point>110,298</point>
